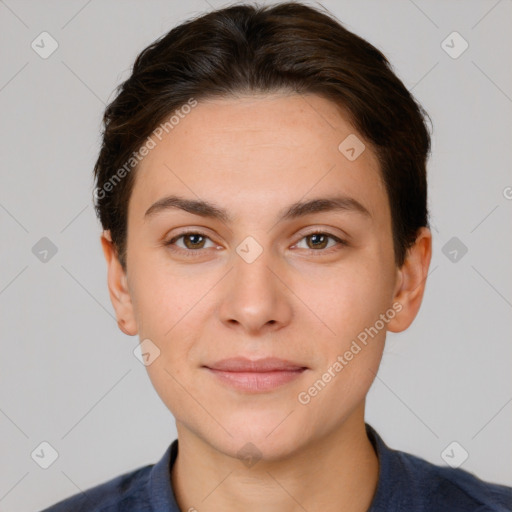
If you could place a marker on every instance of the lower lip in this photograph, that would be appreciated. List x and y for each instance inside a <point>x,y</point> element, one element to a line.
<point>257,382</point>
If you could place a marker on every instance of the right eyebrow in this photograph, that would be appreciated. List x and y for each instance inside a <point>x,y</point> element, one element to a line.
<point>197,207</point>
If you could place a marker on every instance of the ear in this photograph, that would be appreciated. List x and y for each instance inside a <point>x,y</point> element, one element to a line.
<point>411,281</point>
<point>118,287</point>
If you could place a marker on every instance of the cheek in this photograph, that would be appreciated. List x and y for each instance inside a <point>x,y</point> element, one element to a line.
<point>162,298</point>
<point>348,299</point>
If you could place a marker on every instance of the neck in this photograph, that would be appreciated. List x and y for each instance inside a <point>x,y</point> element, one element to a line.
<point>337,472</point>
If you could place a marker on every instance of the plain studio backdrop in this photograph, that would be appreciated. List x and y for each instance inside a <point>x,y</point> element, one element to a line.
<point>69,377</point>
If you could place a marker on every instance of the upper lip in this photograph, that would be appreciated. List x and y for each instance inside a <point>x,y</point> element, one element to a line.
<point>242,364</point>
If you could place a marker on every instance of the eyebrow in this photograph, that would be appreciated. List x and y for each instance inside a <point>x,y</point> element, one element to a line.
<point>295,210</point>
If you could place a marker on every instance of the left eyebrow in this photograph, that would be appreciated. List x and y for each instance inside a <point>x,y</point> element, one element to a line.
<point>328,204</point>
<point>293,211</point>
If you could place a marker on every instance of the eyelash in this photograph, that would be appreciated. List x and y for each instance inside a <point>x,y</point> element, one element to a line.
<point>192,253</point>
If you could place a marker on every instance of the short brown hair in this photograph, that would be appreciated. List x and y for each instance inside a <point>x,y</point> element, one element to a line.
<point>249,49</point>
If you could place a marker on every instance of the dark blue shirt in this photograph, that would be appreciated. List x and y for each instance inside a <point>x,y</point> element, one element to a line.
<point>406,484</point>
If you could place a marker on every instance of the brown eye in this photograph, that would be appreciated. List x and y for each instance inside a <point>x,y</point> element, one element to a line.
<point>319,241</point>
<point>192,241</point>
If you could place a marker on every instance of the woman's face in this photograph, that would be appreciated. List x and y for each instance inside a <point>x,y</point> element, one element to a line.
<point>255,281</point>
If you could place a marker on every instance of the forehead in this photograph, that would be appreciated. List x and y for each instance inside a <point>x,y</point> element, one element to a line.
<point>259,151</point>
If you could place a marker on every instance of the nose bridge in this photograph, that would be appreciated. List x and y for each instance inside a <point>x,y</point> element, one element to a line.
<point>252,266</point>
<point>252,277</point>
<point>255,296</point>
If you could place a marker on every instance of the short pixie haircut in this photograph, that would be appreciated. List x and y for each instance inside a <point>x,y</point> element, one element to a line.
<point>250,49</point>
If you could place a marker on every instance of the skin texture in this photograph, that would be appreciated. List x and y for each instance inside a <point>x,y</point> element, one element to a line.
<point>301,299</point>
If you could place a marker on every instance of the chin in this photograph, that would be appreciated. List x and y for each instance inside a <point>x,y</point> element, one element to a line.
<point>272,437</point>
<point>257,446</point>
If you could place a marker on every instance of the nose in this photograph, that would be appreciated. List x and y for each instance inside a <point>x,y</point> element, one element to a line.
<point>255,296</point>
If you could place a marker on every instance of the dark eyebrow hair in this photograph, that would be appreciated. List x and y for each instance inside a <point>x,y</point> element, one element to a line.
<point>295,210</point>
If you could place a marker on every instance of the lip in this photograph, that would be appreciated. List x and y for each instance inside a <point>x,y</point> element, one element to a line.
<point>256,376</point>
<point>243,364</point>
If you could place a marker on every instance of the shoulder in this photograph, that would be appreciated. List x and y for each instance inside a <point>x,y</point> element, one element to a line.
<point>409,483</point>
<point>145,489</point>
<point>444,488</point>
<point>126,492</point>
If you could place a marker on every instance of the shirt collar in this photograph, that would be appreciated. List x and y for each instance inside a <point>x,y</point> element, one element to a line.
<point>389,471</point>
<point>161,494</point>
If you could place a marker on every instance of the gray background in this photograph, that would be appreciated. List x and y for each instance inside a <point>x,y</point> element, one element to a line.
<point>69,376</point>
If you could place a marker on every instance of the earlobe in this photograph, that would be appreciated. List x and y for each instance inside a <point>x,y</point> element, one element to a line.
<point>118,287</point>
<point>411,281</point>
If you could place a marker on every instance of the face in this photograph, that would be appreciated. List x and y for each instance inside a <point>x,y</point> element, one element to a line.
<point>253,274</point>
